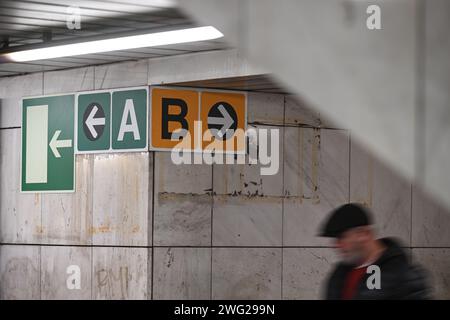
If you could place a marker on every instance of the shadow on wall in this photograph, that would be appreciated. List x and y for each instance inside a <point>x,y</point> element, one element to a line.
<point>404,210</point>
<point>325,167</point>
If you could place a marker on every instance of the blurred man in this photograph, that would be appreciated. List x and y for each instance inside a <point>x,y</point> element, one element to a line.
<point>370,268</point>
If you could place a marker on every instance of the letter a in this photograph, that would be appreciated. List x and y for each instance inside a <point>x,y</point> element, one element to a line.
<point>374,20</point>
<point>132,127</point>
<point>73,20</point>
<point>74,280</point>
<point>374,281</point>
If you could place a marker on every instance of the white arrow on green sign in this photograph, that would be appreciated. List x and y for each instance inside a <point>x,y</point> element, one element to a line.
<point>55,144</point>
<point>47,144</point>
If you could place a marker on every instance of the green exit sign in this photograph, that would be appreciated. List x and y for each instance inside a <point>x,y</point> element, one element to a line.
<point>55,128</point>
<point>47,163</point>
<point>112,121</point>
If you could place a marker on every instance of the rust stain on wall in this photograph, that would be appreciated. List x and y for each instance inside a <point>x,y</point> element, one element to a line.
<point>100,229</point>
<point>301,174</point>
<point>39,230</point>
<point>36,199</point>
<point>315,165</point>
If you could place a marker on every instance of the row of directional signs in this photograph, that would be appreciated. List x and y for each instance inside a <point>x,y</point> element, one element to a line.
<point>55,128</point>
<point>219,112</point>
<point>112,121</point>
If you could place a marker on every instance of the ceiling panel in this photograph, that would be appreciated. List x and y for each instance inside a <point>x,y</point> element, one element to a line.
<point>24,23</point>
<point>22,68</point>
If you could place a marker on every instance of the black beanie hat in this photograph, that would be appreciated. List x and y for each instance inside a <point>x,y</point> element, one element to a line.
<point>345,217</point>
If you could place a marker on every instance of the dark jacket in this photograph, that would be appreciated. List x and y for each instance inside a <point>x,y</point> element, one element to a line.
<point>399,278</point>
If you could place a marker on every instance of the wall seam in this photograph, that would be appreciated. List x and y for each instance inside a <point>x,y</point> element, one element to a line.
<point>92,158</point>
<point>193,247</point>
<point>212,228</point>
<point>153,227</point>
<point>42,198</point>
<point>349,164</point>
<point>411,216</point>
<point>283,193</point>
<point>419,124</point>
<point>40,272</point>
<point>11,128</point>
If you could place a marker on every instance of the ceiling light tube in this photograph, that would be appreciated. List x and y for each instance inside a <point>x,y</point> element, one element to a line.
<point>121,43</point>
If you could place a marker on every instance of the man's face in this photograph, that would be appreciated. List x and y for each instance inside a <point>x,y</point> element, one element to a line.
<point>351,245</point>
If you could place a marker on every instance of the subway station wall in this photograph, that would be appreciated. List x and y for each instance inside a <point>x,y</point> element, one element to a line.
<point>141,227</point>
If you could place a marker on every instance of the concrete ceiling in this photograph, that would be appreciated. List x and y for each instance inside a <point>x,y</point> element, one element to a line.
<point>256,83</point>
<point>27,23</point>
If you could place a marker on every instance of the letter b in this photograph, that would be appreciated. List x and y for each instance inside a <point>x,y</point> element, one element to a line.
<point>166,117</point>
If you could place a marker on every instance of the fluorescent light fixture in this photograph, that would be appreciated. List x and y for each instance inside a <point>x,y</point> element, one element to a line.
<point>121,43</point>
